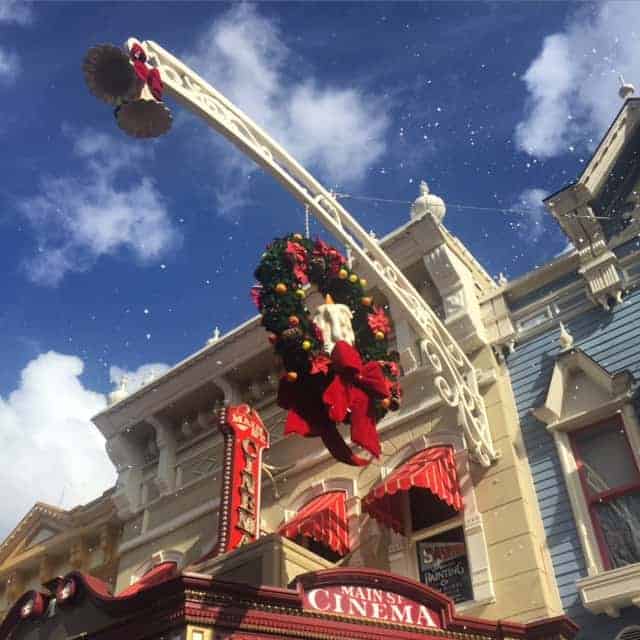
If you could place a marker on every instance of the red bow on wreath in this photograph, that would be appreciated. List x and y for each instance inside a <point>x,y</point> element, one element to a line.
<point>350,395</point>
<point>146,74</point>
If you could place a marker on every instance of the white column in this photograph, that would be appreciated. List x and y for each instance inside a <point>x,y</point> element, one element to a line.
<point>128,459</point>
<point>165,479</point>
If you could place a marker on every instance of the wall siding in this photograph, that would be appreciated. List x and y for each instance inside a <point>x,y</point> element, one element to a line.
<point>613,340</point>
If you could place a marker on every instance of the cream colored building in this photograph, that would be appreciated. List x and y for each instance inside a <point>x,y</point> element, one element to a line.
<point>168,453</point>
<point>49,542</point>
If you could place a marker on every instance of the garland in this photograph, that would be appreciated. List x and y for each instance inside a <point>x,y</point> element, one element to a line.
<point>313,378</point>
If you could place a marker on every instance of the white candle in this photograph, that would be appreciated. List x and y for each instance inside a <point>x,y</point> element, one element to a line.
<point>334,320</point>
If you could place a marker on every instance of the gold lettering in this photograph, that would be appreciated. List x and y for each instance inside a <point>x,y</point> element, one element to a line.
<point>247,502</point>
<point>246,521</point>
<point>248,483</point>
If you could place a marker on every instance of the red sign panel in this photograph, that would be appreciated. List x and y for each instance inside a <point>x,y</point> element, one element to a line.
<point>245,438</point>
<point>371,603</point>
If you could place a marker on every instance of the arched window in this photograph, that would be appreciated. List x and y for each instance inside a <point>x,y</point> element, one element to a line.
<point>320,519</point>
<point>426,498</point>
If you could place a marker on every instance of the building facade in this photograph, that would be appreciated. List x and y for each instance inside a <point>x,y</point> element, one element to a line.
<point>49,542</point>
<point>575,374</point>
<point>428,511</point>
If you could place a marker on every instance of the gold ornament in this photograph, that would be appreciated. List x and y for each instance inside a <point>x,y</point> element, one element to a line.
<point>378,335</point>
<point>292,376</point>
<point>343,274</point>
<point>281,288</point>
<point>306,345</point>
<point>297,236</point>
<point>367,301</point>
<point>363,282</point>
<point>386,403</point>
<point>353,278</point>
<point>301,294</point>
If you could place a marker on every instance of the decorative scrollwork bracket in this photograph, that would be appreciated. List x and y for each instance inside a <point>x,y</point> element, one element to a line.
<point>453,375</point>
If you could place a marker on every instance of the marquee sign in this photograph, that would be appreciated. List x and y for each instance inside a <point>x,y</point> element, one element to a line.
<point>372,603</point>
<point>245,438</point>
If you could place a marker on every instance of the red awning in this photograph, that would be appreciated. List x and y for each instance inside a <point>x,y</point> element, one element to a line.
<point>324,519</point>
<point>433,469</point>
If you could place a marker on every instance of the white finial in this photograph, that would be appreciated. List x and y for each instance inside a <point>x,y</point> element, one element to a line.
<point>120,392</point>
<point>428,203</point>
<point>502,279</point>
<point>626,90</point>
<point>215,337</point>
<point>565,339</point>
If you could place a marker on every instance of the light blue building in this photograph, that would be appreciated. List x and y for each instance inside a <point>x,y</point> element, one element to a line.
<point>575,371</point>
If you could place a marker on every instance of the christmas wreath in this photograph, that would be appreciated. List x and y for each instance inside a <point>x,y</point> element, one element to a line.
<point>333,375</point>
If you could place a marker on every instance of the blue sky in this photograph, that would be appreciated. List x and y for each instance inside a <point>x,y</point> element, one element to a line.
<point>120,254</point>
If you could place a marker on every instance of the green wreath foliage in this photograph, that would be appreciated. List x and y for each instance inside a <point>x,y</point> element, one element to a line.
<point>287,266</point>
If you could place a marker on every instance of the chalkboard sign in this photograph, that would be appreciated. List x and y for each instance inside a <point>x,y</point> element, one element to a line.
<point>444,567</point>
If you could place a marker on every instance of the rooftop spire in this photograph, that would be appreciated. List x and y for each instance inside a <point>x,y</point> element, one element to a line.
<point>626,90</point>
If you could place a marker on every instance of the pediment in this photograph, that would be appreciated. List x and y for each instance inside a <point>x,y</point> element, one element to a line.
<point>40,524</point>
<point>580,387</point>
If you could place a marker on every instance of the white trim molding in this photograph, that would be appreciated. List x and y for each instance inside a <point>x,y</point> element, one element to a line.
<point>611,590</point>
<point>168,555</point>
<point>601,395</point>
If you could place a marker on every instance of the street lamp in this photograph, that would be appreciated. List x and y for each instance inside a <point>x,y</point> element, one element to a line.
<point>454,377</point>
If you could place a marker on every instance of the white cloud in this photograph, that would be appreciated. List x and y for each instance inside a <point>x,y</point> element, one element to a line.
<point>573,83</point>
<point>336,131</point>
<point>12,12</point>
<point>9,66</point>
<point>110,207</point>
<point>50,450</point>
<point>530,222</point>
<point>134,380</point>
<point>16,12</point>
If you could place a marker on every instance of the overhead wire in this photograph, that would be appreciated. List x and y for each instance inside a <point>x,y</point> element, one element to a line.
<point>351,196</point>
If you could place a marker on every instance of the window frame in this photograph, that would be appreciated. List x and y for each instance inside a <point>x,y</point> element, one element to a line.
<point>403,557</point>
<point>592,499</point>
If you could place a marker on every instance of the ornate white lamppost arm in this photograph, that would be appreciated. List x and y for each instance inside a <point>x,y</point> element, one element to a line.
<point>453,375</point>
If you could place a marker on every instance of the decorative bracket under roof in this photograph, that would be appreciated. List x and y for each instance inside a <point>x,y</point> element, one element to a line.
<point>582,392</point>
<point>598,264</point>
<point>597,206</point>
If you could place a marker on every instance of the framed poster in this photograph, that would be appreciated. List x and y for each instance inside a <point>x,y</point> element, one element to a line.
<point>443,566</point>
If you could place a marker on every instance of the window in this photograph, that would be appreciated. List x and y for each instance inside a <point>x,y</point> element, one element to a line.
<point>319,548</point>
<point>438,536</point>
<point>591,415</point>
<point>421,501</point>
<point>321,524</point>
<point>610,482</point>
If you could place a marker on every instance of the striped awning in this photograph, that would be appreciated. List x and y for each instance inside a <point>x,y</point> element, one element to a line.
<point>324,519</point>
<point>433,469</point>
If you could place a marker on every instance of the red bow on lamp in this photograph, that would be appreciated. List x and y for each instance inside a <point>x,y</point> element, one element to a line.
<point>146,74</point>
<point>351,391</point>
